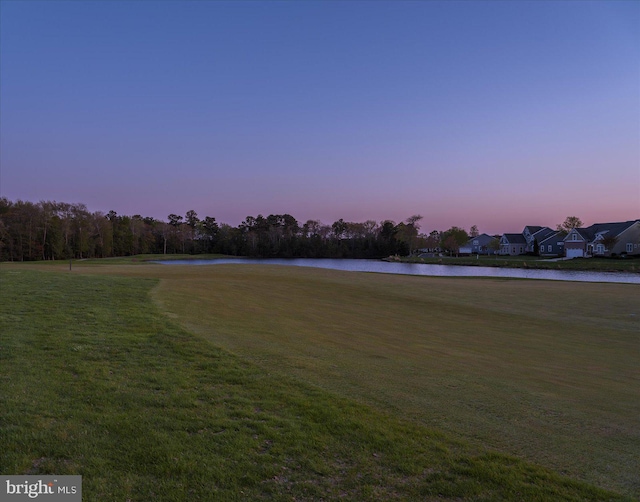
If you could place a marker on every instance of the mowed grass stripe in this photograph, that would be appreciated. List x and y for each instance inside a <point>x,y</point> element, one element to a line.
<point>95,381</point>
<point>544,370</point>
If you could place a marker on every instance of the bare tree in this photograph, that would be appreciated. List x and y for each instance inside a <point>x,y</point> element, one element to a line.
<point>609,242</point>
<point>569,223</point>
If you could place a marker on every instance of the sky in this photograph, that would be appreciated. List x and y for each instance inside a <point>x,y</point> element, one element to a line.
<point>489,113</point>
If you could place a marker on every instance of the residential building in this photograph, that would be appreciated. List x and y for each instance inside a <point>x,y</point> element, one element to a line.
<point>481,244</point>
<point>512,244</point>
<point>552,245</point>
<point>590,241</point>
<point>534,234</point>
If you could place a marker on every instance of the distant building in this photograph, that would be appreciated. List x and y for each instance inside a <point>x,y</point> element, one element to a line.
<point>535,234</point>
<point>513,244</point>
<point>591,241</point>
<point>552,245</point>
<point>482,244</point>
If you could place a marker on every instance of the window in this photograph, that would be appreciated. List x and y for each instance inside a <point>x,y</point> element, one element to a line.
<point>600,248</point>
<point>549,248</point>
<point>475,243</point>
<point>630,247</point>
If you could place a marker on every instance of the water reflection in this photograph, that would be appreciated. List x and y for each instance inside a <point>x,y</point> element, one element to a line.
<point>424,269</point>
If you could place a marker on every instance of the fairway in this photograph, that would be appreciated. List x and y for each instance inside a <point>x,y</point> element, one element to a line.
<point>545,371</point>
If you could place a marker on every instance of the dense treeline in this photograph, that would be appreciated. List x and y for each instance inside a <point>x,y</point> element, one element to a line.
<point>57,230</point>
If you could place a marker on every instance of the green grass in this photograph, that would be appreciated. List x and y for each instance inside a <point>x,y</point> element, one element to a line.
<point>629,264</point>
<point>97,381</point>
<point>121,260</point>
<point>544,370</point>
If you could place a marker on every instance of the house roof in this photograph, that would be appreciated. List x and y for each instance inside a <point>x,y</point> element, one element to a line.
<point>615,229</point>
<point>612,228</point>
<point>483,240</point>
<point>554,236</point>
<point>543,233</point>
<point>582,232</point>
<point>533,229</point>
<point>515,238</point>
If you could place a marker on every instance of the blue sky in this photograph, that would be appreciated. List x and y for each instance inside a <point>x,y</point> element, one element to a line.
<point>499,114</point>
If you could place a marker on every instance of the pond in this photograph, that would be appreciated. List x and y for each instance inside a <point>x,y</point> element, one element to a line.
<point>423,269</point>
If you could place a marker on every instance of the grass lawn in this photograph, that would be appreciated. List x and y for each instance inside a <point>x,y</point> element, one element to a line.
<point>629,264</point>
<point>245,382</point>
<point>126,260</point>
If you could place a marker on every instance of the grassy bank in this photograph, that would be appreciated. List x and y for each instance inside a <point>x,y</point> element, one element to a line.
<point>97,381</point>
<point>631,265</point>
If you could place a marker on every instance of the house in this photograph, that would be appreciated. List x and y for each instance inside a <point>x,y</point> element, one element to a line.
<point>575,243</point>
<point>590,241</point>
<point>481,244</point>
<point>512,244</point>
<point>534,234</point>
<point>626,234</point>
<point>552,245</point>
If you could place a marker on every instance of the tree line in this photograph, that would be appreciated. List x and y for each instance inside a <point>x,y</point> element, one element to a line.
<point>49,230</point>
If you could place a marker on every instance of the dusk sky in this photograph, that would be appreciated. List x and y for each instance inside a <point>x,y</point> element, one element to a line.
<point>499,114</point>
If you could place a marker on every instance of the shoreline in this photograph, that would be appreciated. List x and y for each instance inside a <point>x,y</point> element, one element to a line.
<point>629,265</point>
<point>612,265</point>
